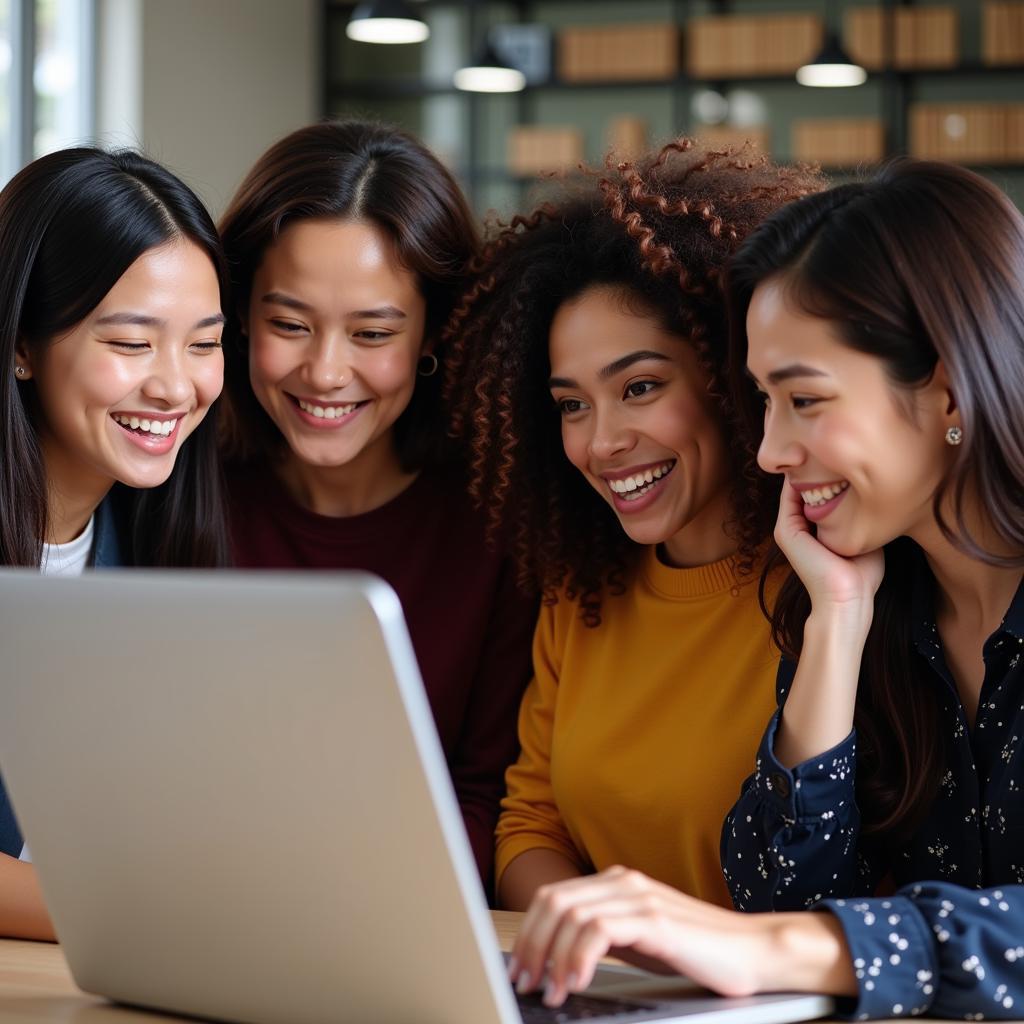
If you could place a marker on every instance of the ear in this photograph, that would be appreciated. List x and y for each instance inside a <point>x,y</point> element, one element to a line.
<point>22,360</point>
<point>943,391</point>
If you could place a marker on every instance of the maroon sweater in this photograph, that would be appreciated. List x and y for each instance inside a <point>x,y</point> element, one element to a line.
<point>470,627</point>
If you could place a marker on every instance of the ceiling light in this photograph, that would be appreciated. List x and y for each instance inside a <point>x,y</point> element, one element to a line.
<point>386,21</point>
<point>489,74</point>
<point>832,68</point>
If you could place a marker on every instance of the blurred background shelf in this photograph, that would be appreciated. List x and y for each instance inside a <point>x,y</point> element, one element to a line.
<point>945,80</point>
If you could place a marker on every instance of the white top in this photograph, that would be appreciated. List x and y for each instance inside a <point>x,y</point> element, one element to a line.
<point>69,559</point>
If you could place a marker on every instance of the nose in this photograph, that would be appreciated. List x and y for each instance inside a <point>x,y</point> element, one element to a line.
<point>169,383</point>
<point>611,435</point>
<point>779,450</point>
<point>328,365</point>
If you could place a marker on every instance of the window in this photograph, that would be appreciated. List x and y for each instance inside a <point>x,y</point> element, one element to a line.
<point>46,78</point>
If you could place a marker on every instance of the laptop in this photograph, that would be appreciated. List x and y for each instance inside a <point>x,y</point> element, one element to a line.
<point>239,808</point>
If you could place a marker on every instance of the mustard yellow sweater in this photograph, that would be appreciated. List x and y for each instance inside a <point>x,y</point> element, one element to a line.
<point>636,735</point>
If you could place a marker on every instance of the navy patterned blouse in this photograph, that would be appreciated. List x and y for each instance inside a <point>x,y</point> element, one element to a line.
<point>950,942</point>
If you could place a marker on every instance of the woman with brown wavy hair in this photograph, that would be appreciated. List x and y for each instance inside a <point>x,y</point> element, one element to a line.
<point>348,244</point>
<point>587,375</point>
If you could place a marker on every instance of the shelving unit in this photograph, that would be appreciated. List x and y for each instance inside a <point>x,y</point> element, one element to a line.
<point>414,88</point>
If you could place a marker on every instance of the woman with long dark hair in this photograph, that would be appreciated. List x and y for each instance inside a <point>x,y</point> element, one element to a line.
<point>588,377</point>
<point>348,244</point>
<point>111,295</point>
<point>884,323</point>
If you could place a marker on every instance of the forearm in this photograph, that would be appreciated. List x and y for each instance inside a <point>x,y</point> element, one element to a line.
<point>528,872</point>
<point>23,914</point>
<point>818,713</point>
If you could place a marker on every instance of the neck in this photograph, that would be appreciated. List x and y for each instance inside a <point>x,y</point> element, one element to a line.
<point>73,494</point>
<point>969,591</point>
<point>372,479</point>
<point>703,539</point>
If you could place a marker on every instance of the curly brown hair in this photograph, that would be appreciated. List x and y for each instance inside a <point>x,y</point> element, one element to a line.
<point>661,230</point>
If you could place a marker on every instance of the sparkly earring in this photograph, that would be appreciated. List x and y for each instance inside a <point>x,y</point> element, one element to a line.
<point>20,371</point>
<point>427,365</point>
<point>954,436</point>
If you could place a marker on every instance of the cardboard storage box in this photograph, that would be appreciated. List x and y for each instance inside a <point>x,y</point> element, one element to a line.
<point>536,149</point>
<point>627,137</point>
<point>912,37</point>
<point>1002,32</point>
<point>727,46</point>
<point>839,142</point>
<point>614,53</point>
<point>971,133</point>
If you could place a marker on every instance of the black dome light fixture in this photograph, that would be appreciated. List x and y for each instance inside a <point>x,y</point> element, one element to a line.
<point>833,67</point>
<point>488,72</point>
<point>386,21</point>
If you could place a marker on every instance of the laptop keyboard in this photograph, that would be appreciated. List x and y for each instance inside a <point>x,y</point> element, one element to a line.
<point>576,1007</point>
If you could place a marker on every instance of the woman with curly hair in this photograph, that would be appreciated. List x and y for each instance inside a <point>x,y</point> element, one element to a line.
<point>587,374</point>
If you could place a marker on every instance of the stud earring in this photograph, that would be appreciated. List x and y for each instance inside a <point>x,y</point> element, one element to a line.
<point>954,436</point>
<point>20,371</point>
<point>427,365</point>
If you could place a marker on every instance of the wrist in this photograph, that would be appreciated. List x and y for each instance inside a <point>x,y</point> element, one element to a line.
<point>805,951</point>
<point>843,626</point>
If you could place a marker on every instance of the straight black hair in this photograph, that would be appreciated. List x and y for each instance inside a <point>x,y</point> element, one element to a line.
<point>71,223</point>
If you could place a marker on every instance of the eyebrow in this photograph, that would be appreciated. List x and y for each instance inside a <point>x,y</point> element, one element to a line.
<point>381,313</point>
<point>143,320</point>
<point>612,369</point>
<point>789,372</point>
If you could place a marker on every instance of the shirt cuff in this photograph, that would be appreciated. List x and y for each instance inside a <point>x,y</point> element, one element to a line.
<point>893,956</point>
<point>810,789</point>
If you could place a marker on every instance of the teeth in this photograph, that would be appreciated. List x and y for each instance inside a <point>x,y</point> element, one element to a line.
<point>626,485</point>
<point>327,412</point>
<point>820,495</point>
<point>158,428</point>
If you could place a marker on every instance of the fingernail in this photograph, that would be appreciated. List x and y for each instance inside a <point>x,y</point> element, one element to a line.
<point>513,968</point>
<point>523,984</point>
<point>572,981</point>
<point>552,996</point>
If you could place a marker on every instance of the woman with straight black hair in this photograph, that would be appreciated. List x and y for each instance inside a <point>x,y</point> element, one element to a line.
<point>111,294</point>
<point>884,323</point>
<point>349,244</point>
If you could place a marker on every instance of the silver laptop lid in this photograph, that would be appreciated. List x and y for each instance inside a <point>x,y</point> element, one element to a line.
<point>236,799</point>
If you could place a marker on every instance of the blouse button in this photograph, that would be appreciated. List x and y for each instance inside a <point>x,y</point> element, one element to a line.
<point>780,783</point>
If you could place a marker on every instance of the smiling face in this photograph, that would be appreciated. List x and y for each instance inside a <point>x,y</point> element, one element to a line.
<point>119,393</point>
<point>637,422</point>
<point>336,328</point>
<point>866,457</point>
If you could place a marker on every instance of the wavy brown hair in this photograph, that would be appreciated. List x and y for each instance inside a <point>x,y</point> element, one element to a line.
<point>923,262</point>
<point>659,231</point>
<point>348,170</point>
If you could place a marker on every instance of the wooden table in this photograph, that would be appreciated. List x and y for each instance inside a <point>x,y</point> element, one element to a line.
<point>35,985</point>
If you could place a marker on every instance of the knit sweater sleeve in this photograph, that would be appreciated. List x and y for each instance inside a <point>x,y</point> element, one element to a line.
<point>529,816</point>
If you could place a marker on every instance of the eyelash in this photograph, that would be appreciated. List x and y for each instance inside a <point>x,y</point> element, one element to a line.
<point>141,346</point>
<point>367,334</point>
<point>564,403</point>
<point>798,403</point>
<point>649,386</point>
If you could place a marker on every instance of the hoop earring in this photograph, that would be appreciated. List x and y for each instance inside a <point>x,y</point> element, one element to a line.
<point>954,436</point>
<point>20,371</point>
<point>427,365</point>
